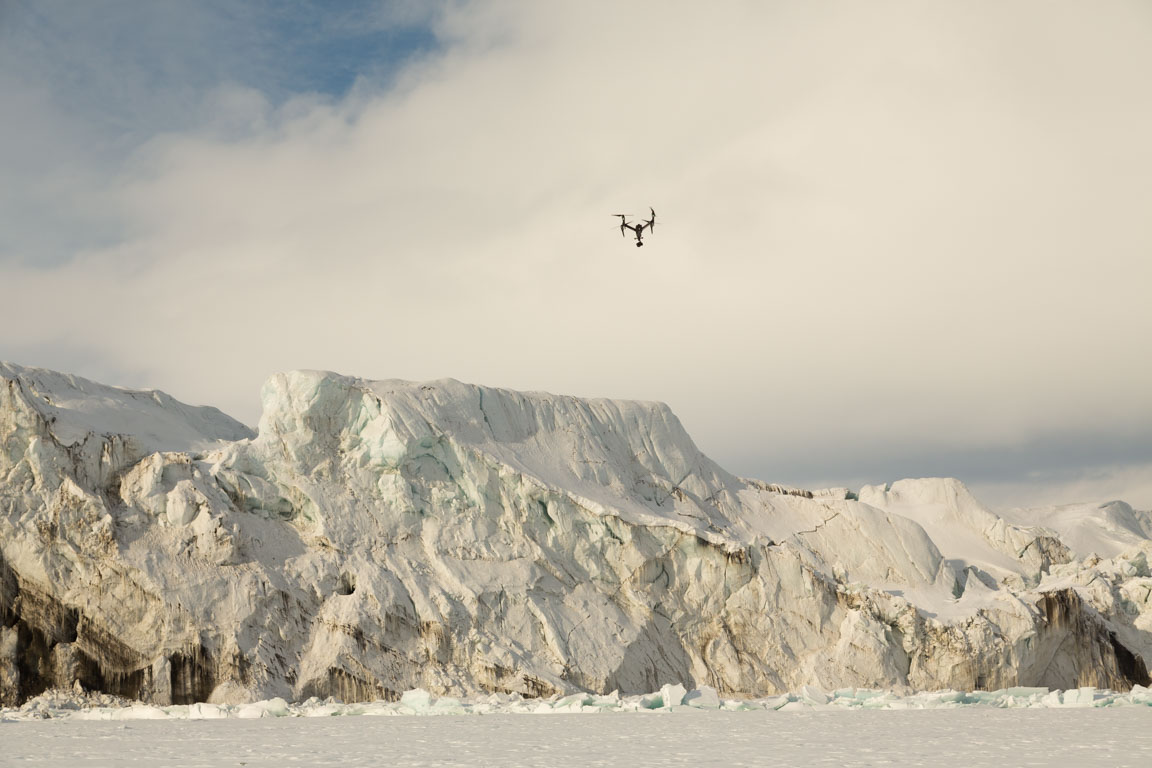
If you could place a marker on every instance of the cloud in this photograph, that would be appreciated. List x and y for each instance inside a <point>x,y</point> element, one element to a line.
<point>1125,482</point>
<point>85,85</point>
<point>885,230</point>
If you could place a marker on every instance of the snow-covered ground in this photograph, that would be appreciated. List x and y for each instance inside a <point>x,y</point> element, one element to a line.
<point>1012,727</point>
<point>968,736</point>
<point>69,705</point>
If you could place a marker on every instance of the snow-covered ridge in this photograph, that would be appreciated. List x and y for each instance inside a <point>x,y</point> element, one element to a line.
<point>76,407</point>
<point>623,458</point>
<point>382,536</point>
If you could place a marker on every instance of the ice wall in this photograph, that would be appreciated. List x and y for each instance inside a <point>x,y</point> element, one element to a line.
<point>380,536</point>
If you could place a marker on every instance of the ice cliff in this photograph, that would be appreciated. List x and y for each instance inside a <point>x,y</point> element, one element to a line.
<point>379,536</point>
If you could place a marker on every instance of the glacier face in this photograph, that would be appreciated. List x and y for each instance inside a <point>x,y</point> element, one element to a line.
<point>378,536</point>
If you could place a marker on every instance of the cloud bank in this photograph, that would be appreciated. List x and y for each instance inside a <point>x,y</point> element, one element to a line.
<point>892,235</point>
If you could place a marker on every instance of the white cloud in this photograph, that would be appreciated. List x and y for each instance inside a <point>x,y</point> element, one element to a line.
<point>1128,482</point>
<point>891,224</point>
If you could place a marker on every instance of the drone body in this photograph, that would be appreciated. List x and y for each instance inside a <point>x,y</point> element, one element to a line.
<point>638,229</point>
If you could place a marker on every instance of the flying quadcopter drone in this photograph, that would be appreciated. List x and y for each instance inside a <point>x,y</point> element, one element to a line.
<point>637,228</point>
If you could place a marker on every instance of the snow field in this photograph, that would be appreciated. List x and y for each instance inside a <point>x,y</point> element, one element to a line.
<point>969,736</point>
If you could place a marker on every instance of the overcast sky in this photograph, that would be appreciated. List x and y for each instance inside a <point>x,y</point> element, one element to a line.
<point>896,238</point>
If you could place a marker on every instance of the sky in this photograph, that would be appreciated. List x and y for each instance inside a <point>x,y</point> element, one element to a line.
<point>895,238</point>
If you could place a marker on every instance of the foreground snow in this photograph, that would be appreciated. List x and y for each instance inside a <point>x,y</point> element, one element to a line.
<point>973,737</point>
<point>72,706</point>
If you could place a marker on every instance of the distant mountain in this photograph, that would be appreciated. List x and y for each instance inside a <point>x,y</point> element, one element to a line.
<point>378,536</point>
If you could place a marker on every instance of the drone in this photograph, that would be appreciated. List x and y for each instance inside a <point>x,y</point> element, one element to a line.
<point>637,228</point>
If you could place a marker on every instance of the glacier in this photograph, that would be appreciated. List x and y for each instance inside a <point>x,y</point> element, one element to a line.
<point>376,537</point>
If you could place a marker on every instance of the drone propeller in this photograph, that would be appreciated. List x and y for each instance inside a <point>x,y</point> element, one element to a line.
<point>623,222</point>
